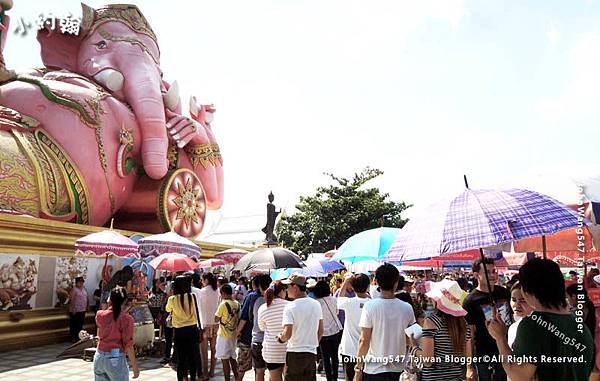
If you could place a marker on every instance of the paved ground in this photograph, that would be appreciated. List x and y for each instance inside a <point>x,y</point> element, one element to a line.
<point>41,364</point>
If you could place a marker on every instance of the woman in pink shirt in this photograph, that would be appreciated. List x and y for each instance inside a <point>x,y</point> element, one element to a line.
<point>77,308</point>
<point>115,331</point>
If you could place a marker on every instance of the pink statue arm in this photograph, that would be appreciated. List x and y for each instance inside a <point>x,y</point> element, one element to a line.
<point>199,151</point>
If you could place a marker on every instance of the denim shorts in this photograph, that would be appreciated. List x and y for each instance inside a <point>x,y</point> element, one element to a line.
<point>107,368</point>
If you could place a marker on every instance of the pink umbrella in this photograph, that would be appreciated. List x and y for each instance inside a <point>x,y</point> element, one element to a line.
<point>173,262</point>
<point>105,244</point>
<point>231,255</point>
<point>213,262</point>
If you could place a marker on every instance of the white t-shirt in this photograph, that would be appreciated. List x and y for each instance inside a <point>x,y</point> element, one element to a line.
<point>305,314</point>
<point>388,318</point>
<point>512,332</point>
<point>352,309</point>
<point>331,323</point>
<point>196,292</point>
<point>209,302</point>
<point>373,291</point>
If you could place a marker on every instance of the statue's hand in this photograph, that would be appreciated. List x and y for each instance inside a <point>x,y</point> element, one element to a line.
<point>182,129</point>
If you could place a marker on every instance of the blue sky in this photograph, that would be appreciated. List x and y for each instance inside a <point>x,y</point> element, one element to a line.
<point>506,92</point>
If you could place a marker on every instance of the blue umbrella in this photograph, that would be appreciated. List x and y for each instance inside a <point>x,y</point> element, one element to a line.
<point>324,265</point>
<point>367,246</point>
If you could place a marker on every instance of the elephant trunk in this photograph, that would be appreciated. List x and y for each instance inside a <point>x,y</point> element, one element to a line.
<point>142,90</point>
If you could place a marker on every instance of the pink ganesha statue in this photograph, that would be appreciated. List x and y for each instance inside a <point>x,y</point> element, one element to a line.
<point>97,133</point>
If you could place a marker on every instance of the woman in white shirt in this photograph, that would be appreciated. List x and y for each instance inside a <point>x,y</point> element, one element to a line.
<point>209,302</point>
<point>270,316</point>
<point>330,342</point>
<point>520,308</point>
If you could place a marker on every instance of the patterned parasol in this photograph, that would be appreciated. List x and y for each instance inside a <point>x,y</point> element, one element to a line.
<point>168,243</point>
<point>477,219</point>
<point>104,244</point>
<point>231,255</point>
<point>213,262</point>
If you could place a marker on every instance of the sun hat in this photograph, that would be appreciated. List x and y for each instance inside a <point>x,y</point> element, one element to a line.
<point>447,295</point>
<point>298,279</point>
<point>311,283</point>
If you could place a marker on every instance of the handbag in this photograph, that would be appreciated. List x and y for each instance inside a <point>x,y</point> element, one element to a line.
<point>412,369</point>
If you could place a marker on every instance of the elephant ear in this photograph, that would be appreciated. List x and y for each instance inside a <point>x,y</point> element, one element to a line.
<point>59,50</point>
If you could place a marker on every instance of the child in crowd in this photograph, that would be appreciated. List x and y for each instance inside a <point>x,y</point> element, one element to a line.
<point>227,317</point>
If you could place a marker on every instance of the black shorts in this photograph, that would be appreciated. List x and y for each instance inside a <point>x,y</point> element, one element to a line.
<point>274,365</point>
<point>257,359</point>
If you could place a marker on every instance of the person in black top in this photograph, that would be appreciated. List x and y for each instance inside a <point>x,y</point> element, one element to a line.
<point>479,307</point>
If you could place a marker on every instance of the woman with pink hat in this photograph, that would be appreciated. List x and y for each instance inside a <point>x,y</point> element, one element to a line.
<point>445,333</point>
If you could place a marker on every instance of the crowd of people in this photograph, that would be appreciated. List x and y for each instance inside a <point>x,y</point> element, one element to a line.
<point>383,326</point>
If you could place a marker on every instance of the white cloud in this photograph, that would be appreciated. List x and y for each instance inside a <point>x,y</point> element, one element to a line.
<point>579,98</point>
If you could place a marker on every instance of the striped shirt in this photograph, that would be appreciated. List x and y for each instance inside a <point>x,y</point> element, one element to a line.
<point>270,321</point>
<point>442,346</point>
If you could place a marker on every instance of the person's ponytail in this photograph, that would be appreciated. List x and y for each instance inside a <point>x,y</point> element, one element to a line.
<point>274,289</point>
<point>118,296</point>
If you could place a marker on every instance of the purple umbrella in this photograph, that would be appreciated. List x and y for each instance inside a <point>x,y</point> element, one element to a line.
<point>324,265</point>
<point>480,218</point>
<point>477,219</point>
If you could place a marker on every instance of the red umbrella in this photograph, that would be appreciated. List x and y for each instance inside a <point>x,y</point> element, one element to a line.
<point>173,262</point>
<point>211,263</point>
<point>231,255</point>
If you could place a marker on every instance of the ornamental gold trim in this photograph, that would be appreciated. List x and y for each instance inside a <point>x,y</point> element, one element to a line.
<point>127,14</point>
<point>72,173</point>
<point>36,157</point>
<point>204,154</point>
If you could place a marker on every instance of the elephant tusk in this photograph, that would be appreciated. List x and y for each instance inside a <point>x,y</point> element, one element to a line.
<point>111,79</point>
<point>194,109</point>
<point>171,98</point>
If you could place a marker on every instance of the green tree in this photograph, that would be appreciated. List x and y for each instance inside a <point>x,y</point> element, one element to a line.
<point>337,212</point>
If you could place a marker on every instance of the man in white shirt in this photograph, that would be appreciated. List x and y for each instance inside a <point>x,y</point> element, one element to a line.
<point>302,330</point>
<point>352,308</point>
<point>382,338</point>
